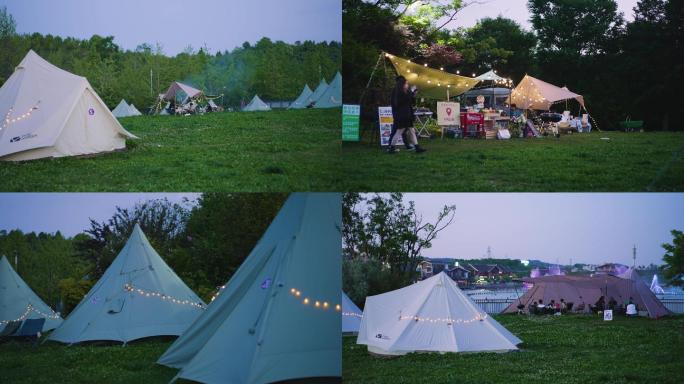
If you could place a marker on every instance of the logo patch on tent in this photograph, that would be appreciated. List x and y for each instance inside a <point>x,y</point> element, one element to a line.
<point>91,111</point>
<point>266,283</point>
<point>22,137</point>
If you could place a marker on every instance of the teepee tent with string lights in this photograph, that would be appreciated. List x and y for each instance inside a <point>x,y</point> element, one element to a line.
<point>18,302</point>
<point>431,315</point>
<point>48,112</point>
<point>256,105</point>
<point>302,101</point>
<point>332,97</point>
<point>138,296</point>
<point>278,317</point>
<point>351,315</point>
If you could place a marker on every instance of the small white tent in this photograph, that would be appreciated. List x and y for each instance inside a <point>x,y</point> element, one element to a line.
<point>18,301</point>
<point>351,315</point>
<point>49,112</point>
<point>278,318</point>
<point>303,100</point>
<point>256,105</point>
<point>318,92</point>
<point>332,97</point>
<point>138,296</point>
<point>134,110</point>
<point>431,315</point>
<point>123,109</point>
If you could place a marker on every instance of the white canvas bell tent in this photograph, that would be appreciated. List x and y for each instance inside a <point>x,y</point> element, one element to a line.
<point>49,112</point>
<point>431,315</point>
<point>318,92</point>
<point>351,315</point>
<point>123,109</point>
<point>138,296</point>
<point>256,105</point>
<point>332,97</point>
<point>278,318</point>
<point>302,100</point>
<point>18,302</point>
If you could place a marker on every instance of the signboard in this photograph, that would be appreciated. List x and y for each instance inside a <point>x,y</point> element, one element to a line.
<point>608,315</point>
<point>350,122</point>
<point>386,121</point>
<point>448,113</point>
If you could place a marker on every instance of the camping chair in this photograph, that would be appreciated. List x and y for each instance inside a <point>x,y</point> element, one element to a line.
<point>9,329</point>
<point>31,329</point>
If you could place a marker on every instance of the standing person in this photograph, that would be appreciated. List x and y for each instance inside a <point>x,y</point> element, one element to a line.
<point>403,100</point>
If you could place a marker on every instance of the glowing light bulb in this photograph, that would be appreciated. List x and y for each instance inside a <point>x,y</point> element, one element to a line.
<point>441,68</point>
<point>298,293</point>
<point>293,290</point>
<point>306,300</point>
<point>317,303</point>
<point>425,65</point>
<point>325,305</point>
<point>338,307</point>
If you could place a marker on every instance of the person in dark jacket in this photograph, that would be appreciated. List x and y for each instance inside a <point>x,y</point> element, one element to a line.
<point>403,100</point>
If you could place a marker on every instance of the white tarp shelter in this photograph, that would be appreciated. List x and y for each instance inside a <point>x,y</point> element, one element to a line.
<point>332,97</point>
<point>490,76</point>
<point>302,100</point>
<point>185,92</point>
<point>18,302</point>
<point>48,112</point>
<point>278,317</point>
<point>123,109</point>
<point>351,315</point>
<point>533,93</point>
<point>256,105</point>
<point>430,315</point>
<point>138,296</point>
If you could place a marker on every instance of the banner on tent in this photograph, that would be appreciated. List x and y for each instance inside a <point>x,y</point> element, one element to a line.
<point>448,113</point>
<point>386,120</point>
<point>350,122</point>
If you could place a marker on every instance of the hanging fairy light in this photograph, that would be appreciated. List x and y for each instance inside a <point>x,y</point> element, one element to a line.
<point>448,320</point>
<point>8,120</point>
<point>317,304</point>
<point>218,292</point>
<point>142,292</point>
<point>30,308</point>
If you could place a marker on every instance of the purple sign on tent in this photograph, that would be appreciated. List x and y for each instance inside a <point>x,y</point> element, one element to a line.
<point>91,111</point>
<point>266,283</point>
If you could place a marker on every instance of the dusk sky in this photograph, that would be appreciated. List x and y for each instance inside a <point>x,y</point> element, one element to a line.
<point>218,24</point>
<point>69,213</point>
<point>587,228</point>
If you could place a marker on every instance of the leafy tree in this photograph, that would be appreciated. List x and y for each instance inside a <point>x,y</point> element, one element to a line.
<point>674,258</point>
<point>8,26</point>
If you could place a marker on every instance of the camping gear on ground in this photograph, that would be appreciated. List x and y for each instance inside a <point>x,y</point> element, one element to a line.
<point>18,302</point>
<point>630,125</point>
<point>431,315</point>
<point>472,124</point>
<point>586,290</point>
<point>530,130</point>
<point>332,97</point>
<point>49,112</point>
<point>302,101</point>
<point>278,317</point>
<point>423,116</point>
<point>256,104</point>
<point>123,109</point>
<point>351,315</point>
<point>138,296</point>
<point>503,134</point>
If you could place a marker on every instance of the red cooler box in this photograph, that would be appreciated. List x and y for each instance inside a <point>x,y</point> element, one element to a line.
<point>472,124</point>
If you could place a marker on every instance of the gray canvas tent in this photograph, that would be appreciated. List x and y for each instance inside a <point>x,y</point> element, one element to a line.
<point>256,105</point>
<point>351,315</point>
<point>303,100</point>
<point>278,318</point>
<point>123,109</point>
<point>18,302</point>
<point>318,92</point>
<point>138,296</point>
<point>332,97</point>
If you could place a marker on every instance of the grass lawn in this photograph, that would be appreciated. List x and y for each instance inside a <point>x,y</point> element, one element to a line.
<point>279,150</point>
<point>652,161</point>
<point>568,349</point>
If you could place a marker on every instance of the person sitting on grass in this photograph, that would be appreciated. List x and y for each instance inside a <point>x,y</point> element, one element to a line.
<point>563,305</point>
<point>403,100</point>
<point>631,308</point>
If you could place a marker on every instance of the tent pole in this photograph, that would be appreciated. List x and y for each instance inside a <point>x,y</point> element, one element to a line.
<point>380,57</point>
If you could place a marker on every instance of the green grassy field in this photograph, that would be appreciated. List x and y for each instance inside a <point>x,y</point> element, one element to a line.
<point>568,349</point>
<point>651,161</point>
<point>260,151</point>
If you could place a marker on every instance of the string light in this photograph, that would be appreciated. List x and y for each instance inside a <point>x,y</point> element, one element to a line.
<point>448,320</point>
<point>218,292</point>
<point>318,304</point>
<point>9,120</point>
<point>30,308</point>
<point>141,292</point>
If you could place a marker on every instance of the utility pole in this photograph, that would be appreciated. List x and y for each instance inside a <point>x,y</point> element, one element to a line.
<point>634,255</point>
<point>489,252</point>
<point>151,91</point>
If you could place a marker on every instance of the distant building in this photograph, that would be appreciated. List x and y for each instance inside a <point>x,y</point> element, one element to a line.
<point>457,273</point>
<point>489,270</point>
<point>611,269</point>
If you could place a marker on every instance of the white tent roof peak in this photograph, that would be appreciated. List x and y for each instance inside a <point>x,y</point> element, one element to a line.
<point>532,93</point>
<point>490,76</point>
<point>256,105</point>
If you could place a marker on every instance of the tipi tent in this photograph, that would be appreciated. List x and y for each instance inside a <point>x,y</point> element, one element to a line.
<point>123,109</point>
<point>256,105</point>
<point>49,112</point>
<point>278,318</point>
<point>588,289</point>
<point>18,302</point>
<point>332,97</point>
<point>431,315</point>
<point>533,93</point>
<point>138,296</point>
<point>351,315</point>
<point>303,100</point>
<point>180,92</point>
<point>318,92</point>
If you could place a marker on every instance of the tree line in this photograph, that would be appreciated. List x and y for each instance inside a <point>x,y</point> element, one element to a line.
<point>274,70</point>
<point>624,69</point>
<point>204,241</point>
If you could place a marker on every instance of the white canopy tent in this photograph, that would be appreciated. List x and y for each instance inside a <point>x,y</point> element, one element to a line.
<point>533,93</point>
<point>430,315</point>
<point>138,296</point>
<point>123,109</point>
<point>332,97</point>
<point>490,76</point>
<point>256,105</point>
<point>351,315</point>
<point>49,112</point>
<point>302,100</point>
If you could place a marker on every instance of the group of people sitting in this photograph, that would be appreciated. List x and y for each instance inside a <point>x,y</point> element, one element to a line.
<point>552,308</point>
<point>627,307</point>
